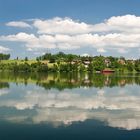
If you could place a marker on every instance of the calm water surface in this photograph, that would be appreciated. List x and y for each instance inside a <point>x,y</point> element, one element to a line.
<point>69,106</point>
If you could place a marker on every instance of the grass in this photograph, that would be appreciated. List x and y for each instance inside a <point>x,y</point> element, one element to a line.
<point>29,62</point>
<point>17,61</point>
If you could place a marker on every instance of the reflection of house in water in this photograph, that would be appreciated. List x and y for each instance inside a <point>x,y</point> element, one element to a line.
<point>72,81</point>
<point>86,80</point>
<point>107,81</point>
<point>122,82</point>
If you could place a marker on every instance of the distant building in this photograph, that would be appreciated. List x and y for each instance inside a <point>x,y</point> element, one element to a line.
<point>107,62</point>
<point>131,61</point>
<point>86,63</point>
<point>121,61</point>
<point>76,61</point>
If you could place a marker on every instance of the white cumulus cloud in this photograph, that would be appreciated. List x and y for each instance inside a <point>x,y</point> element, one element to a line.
<point>20,24</point>
<point>126,24</point>
<point>120,34</point>
<point>61,26</point>
<point>4,49</point>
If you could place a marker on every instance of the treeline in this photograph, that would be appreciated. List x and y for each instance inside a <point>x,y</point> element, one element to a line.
<point>58,57</point>
<point>62,62</point>
<point>89,63</point>
<point>24,67</point>
<point>4,56</point>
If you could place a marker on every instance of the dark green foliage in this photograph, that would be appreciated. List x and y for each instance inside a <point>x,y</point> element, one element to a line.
<point>52,59</point>
<point>130,66</point>
<point>137,65</point>
<point>98,63</point>
<point>4,56</point>
<point>26,58</point>
<point>91,67</point>
<point>24,67</point>
<point>42,68</point>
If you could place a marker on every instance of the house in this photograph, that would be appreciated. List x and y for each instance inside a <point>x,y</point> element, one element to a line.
<point>121,61</point>
<point>75,61</point>
<point>131,61</point>
<point>107,62</point>
<point>86,63</point>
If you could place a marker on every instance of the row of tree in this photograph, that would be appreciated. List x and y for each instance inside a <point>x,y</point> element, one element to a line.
<point>4,56</point>
<point>61,62</point>
<point>96,63</point>
<point>24,67</point>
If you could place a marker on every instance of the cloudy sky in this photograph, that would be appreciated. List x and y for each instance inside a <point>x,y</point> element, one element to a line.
<point>33,27</point>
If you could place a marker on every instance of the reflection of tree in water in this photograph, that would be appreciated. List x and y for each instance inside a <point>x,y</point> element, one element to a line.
<point>71,80</point>
<point>4,85</point>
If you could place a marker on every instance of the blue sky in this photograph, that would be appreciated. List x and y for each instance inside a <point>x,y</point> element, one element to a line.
<point>89,12</point>
<point>85,10</point>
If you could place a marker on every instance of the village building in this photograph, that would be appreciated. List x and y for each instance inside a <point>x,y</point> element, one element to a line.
<point>121,61</point>
<point>107,62</point>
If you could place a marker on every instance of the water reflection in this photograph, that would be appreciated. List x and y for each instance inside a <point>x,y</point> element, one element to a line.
<point>65,99</point>
<point>4,85</point>
<point>62,81</point>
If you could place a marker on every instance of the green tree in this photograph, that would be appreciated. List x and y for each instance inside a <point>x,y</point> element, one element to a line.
<point>26,58</point>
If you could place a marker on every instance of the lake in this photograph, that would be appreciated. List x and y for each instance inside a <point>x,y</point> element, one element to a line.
<point>69,106</point>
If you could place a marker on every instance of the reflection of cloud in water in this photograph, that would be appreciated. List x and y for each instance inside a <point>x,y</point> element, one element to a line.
<point>127,121</point>
<point>3,92</point>
<point>128,124</point>
<point>121,109</point>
